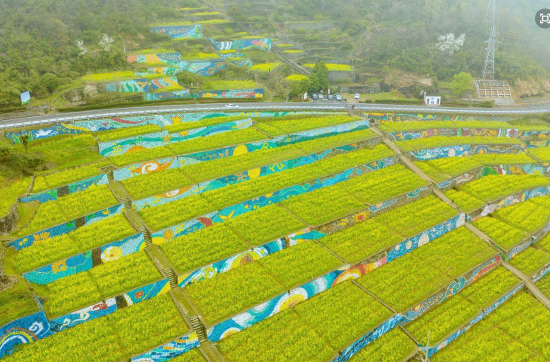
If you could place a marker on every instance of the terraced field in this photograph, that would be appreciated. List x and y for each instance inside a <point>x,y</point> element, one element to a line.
<point>292,237</point>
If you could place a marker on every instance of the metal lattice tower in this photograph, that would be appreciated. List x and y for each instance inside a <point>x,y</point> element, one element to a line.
<point>489,65</point>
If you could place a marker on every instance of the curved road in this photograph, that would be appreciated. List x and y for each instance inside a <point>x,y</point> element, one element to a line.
<point>318,105</point>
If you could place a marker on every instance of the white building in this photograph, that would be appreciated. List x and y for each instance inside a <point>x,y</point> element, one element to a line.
<point>432,100</point>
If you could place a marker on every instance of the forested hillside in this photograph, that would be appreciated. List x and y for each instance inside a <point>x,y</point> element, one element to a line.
<point>381,37</point>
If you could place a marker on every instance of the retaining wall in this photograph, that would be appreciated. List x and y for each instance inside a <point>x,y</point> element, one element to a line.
<point>158,139</point>
<point>242,176</point>
<point>461,150</point>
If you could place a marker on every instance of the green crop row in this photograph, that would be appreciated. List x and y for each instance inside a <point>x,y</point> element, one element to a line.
<point>154,183</point>
<point>441,141</point>
<point>516,331</point>
<point>184,126</point>
<point>505,235</point>
<point>373,236</point>
<point>104,281</point>
<point>422,125</point>
<point>283,127</point>
<point>460,308</point>
<point>54,180</point>
<point>531,260</point>
<point>465,201</point>
<point>11,191</point>
<point>192,356</point>
<point>417,275</point>
<point>115,337</point>
<point>433,173</point>
<point>530,215</point>
<point>542,153</point>
<point>47,215</point>
<point>242,288</point>
<point>83,239</point>
<point>384,184</point>
<point>127,132</point>
<point>412,219</point>
<point>194,145</point>
<point>164,215</point>
<point>444,168</point>
<point>490,188</point>
<point>394,345</point>
<point>311,331</point>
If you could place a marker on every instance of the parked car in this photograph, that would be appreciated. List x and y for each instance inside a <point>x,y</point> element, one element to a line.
<point>338,97</point>
<point>231,106</point>
<point>330,97</point>
<point>314,96</point>
<point>321,96</point>
<point>357,96</point>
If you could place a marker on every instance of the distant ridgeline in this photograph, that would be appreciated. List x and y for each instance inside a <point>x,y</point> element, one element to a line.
<point>180,32</point>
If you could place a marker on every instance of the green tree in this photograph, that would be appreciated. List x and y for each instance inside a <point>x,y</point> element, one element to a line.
<point>462,82</point>
<point>5,152</point>
<point>50,82</point>
<point>185,79</point>
<point>25,141</point>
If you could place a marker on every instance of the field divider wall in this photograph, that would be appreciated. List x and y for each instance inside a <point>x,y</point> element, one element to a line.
<point>179,161</point>
<point>222,215</point>
<point>435,153</point>
<point>158,139</point>
<point>65,228</point>
<point>177,194</point>
<point>290,240</point>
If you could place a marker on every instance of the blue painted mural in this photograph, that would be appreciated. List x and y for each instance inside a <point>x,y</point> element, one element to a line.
<point>180,32</point>
<point>52,195</point>
<point>260,43</point>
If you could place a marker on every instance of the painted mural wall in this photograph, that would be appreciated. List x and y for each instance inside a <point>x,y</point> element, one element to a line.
<point>180,32</point>
<point>260,43</point>
<point>163,138</point>
<point>24,330</point>
<point>211,94</point>
<point>65,228</point>
<point>202,68</point>
<point>189,159</point>
<point>462,150</point>
<point>51,195</point>
<point>142,85</point>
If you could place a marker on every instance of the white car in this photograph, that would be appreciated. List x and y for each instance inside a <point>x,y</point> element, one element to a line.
<point>320,96</point>
<point>357,96</point>
<point>230,106</point>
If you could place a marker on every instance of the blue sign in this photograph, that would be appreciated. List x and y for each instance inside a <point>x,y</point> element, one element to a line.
<point>25,97</point>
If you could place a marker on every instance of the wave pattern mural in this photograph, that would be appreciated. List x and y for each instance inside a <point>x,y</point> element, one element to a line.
<point>461,150</point>
<point>202,68</point>
<point>24,330</point>
<point>152,140</point>
<point>189,159</point>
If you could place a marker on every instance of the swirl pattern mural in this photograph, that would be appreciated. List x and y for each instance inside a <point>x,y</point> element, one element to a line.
<point>110,305</point>
<point>239,177</point>
<point>170,350</point>
<point>202,68</point>
<point>189,159</point>
<point>152,140</point>
<point>24,330</point>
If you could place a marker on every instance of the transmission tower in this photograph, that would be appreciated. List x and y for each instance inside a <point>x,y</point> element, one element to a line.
<point>489,65</point>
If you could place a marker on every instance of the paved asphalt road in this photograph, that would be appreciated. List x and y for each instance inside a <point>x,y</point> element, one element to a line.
<point>316,105</point>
